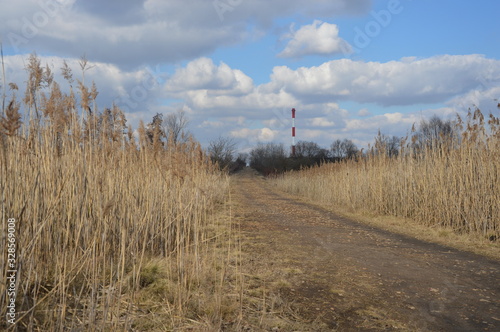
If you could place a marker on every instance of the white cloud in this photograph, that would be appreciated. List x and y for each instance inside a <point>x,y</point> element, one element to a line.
<point>318,38</point>
<point>315,91</point>
<point>382,122</point>
<point>266,134</point>
<point>134,91</point>
<point>255,135</point>
<point>313,134</point>
<point>212,124</point>
<point>430,80</point>
<point>364,112</point>
<point>130,33</point>
<point>222,100</point>
<point>321,122</point>
<point>485,98</point>
<point>203,74</point>
<point>205,86</point>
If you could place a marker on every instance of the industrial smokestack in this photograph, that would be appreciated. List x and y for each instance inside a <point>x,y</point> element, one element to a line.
<point>293,132</point>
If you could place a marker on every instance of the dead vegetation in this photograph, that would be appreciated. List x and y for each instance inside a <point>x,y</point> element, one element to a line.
<point>448,182</point>
<point>112,234</point>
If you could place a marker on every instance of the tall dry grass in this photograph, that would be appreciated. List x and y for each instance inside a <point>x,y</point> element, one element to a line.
<point>112,234</point>
<point>451,181</point>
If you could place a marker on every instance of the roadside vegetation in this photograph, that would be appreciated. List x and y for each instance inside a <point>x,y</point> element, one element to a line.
<point>444,175</point>
<point>113,232</point>
<point>133,229</point>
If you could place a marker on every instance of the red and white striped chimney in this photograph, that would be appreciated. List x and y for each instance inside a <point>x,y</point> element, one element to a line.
<point>293,132</point>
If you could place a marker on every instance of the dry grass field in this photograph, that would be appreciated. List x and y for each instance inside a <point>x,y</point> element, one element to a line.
<point>450,182</point>
<point>320,271</point>
<point>125,230</point>
<point>111,234</point>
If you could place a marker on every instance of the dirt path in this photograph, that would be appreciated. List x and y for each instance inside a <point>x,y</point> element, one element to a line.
<point>353,277</point>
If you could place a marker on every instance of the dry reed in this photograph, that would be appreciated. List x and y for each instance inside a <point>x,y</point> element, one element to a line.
<point>111,235</point>
<point>453,182</point>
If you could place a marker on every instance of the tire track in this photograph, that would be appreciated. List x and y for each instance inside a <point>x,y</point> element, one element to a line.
<point>363,278</point>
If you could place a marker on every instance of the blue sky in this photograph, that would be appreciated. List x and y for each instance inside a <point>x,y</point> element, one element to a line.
<point>237,67</point>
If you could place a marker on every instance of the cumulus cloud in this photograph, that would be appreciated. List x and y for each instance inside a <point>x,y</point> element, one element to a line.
<point>318,38</point>
<point>316,92</point>
<point>126,33</point>
<point>204,85</point>
<point>485,97</point>
<point>134,91</point>
<point>212,124</point>
<point>430,80</point>
<point>216,90</point>
<point>321,122</point>
<point>397,124</point>
<point>263,134</point>
<point>224,100</point>
<point>133,32</point>
<point>364,112</point>
<point>203,74</point>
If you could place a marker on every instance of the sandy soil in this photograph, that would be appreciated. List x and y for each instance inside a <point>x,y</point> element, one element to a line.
<point>349,276</point>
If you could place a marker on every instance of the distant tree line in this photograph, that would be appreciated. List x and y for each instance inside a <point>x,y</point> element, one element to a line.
<point>273,158</point>
<point>222,151</point>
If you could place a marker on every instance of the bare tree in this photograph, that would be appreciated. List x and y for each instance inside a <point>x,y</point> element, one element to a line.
<point>337,149</point>
<point>269,158</point>
<point>341,149</point>
<point>175,125</point>
<point>393,146</point>
<point>222,151</point>
<point>243,157</point>
<point>434,132</point>
<point>305,149</point>
<point>351,150</point>
<point>387,144</point>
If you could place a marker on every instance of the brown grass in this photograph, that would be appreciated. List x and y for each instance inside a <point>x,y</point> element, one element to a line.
<point>452,183</point>
<point>111,235</point>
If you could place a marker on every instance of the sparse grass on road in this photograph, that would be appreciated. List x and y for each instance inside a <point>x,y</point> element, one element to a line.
<point>319,271</point>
